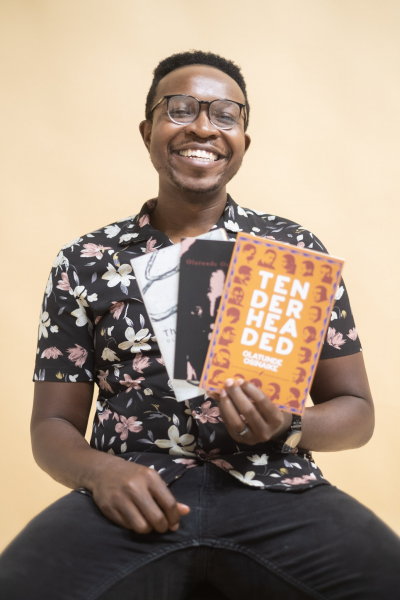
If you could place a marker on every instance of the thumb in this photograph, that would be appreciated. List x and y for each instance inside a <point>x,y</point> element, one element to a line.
<point>183,509</point>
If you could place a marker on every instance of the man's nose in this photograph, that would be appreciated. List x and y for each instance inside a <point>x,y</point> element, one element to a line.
<point>202,126</point>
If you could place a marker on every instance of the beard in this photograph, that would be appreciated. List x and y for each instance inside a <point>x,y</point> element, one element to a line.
<point>192,189</point>
<point>198,190</point>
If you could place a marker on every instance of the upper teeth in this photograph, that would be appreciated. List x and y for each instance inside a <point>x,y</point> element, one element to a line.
<point>199,154</point>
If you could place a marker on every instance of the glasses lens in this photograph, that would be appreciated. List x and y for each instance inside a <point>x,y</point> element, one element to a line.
<point>224,113</point>
<point>183,109</point>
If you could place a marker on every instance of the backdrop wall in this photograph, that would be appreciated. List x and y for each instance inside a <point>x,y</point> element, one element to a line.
<point>324,90</point>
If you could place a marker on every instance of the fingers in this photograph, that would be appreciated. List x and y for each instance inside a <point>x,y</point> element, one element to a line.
<point>259,428</point>
<point>153,514</point>
<point>268,410</point>
<point>166,503</point>
<point>127,515</point>
<point>137,498</point>
<point>232,420</point>
<point>157,504</point>
<point>278,421</point>
<point>242,400</point>
<point>159,507</point>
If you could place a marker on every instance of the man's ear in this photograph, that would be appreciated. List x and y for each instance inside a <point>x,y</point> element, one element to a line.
<point>145,128</point>
<point>247,141</point>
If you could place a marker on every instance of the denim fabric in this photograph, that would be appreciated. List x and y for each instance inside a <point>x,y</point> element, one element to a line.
<point>236,543</point>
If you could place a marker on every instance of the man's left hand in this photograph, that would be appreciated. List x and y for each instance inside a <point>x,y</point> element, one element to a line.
<point>244,408</point>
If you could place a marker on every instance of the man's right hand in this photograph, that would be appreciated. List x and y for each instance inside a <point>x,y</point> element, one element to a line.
<point>135,497</point>
<point>131,495</point>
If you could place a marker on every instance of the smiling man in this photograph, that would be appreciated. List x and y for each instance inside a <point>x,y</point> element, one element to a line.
<point>213,498</point>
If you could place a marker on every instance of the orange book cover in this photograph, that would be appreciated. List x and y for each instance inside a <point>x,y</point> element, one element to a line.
<point>272,319</point>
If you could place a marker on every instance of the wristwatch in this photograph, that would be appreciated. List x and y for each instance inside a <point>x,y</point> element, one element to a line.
<point>291,438</point>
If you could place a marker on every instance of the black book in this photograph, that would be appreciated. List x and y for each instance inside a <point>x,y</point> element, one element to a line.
<point>203,268</point>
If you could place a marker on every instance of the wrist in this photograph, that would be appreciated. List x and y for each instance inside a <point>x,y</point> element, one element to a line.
<point>95,464</point>
<point>287,422</point>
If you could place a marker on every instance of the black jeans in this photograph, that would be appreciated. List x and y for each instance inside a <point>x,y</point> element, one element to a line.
<point>237,543</point>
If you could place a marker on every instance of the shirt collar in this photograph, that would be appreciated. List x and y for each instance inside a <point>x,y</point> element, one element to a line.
<point>231,219</point>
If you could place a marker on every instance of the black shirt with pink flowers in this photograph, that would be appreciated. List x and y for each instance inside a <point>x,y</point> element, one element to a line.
<point>94,327</point>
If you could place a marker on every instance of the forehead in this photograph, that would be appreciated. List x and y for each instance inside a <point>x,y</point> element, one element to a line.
<point>201,81</point>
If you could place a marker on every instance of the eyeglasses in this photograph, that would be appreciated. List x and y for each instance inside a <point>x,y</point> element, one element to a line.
<point>183,110</point>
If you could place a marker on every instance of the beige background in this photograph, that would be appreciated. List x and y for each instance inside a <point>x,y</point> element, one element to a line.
<point>323,79</point>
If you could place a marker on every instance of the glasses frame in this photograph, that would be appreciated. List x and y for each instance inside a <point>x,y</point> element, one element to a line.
<point>242,107</point>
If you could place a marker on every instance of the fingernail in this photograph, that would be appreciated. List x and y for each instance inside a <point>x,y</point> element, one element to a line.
<point>239,381</point>
<point>223,393</point>
<point>229,382</point>
<point>174,527</point>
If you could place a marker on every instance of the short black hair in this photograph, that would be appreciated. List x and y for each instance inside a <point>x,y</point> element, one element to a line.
<point>195,57</point>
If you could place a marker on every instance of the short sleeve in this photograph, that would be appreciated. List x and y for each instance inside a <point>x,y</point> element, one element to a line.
<point>65,349</point>
<point>342,336</point>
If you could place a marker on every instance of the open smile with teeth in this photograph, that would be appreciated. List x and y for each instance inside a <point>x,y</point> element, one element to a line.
<point>199,154</point>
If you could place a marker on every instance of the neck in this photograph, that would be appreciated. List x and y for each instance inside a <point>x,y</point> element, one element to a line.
<point>181,214</point>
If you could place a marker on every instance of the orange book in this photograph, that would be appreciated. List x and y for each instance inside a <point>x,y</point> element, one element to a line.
<point>272,319</point>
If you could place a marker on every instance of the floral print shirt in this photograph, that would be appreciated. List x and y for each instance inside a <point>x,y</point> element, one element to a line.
<point>94,327</point>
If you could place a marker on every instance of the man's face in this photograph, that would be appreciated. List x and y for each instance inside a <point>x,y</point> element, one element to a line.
<point>325,271</point>
<point>234,315</point>
<point>165,139</point>
<point>270,391</point>
<point>250,253</point>
<point>318,294</point>
<point>269,257</point>
<point>238,295</point>
<point>221,357</point>
<point>298,376</point>
<point>229,335</point>
<point>218,380</point>
<point>308,334</point>
<point>304,268</point>
<point>313,315</point>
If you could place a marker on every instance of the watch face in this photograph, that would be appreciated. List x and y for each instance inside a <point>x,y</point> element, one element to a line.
<point>293,439</point>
